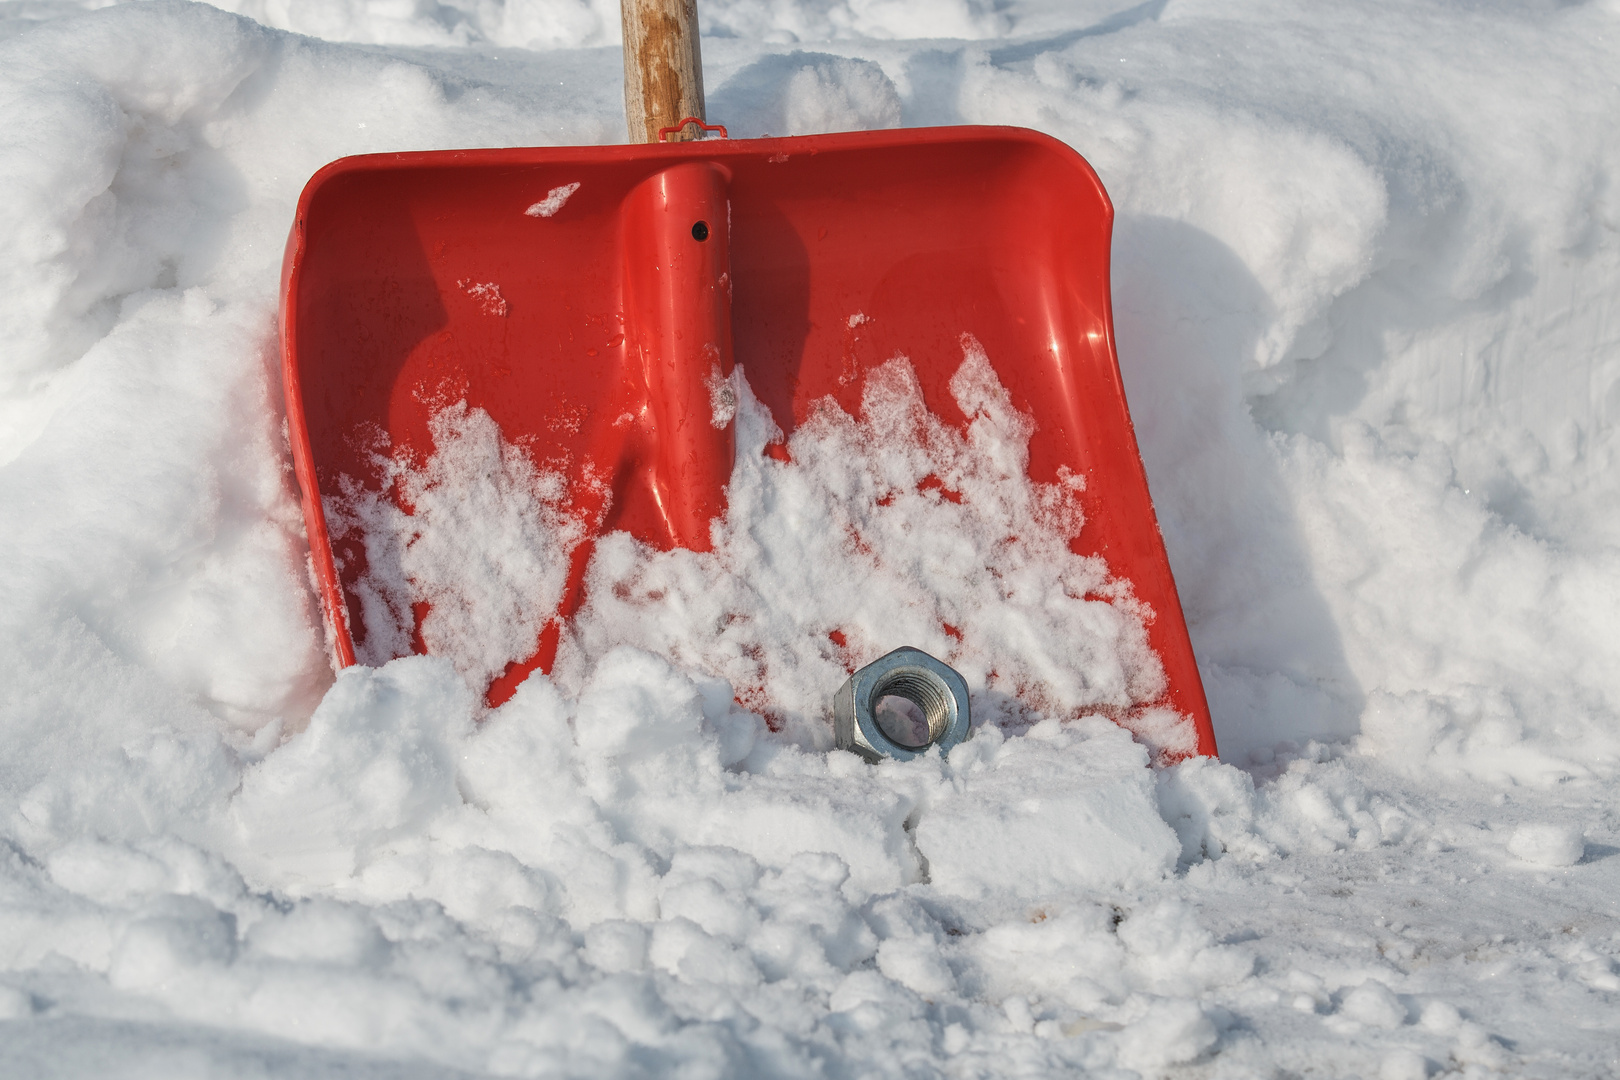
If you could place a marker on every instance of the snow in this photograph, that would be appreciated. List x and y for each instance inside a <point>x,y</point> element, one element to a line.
<point>1366,266</point>
<point>486,546</point>
<point>1548,844</point>
<point>487,293</point>
<point>885,529</point>
<point>554,201</point>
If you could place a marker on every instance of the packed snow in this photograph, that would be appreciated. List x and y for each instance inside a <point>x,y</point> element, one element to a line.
<point>1367,292</point>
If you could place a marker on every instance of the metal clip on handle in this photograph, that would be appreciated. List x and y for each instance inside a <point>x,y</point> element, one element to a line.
<point>665,132</point>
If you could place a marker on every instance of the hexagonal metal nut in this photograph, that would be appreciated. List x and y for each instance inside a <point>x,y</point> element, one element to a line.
<point>939,694</point>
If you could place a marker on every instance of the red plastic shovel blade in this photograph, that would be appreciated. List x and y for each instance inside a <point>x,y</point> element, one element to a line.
<point>588,297</point>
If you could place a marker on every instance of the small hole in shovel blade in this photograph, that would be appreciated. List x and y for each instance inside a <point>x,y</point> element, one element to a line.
<point>700,230</point>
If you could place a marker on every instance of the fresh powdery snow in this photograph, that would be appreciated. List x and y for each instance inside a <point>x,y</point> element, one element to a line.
<point>1367,292</point>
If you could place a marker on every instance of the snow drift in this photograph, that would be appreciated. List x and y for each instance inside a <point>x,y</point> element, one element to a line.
<point>1366,270</point>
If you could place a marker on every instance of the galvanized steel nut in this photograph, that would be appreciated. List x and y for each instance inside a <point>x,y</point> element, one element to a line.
<point>906,688</point>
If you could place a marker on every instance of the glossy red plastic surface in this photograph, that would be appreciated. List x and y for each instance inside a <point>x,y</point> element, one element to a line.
<point>612,306</point>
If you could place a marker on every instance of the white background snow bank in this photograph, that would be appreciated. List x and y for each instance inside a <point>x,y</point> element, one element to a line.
<point>1366,270</point>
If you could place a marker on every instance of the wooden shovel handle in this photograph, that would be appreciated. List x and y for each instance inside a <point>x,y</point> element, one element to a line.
<point>663,69</point>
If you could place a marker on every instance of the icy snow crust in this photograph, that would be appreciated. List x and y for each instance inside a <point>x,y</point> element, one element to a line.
<point>1365,276</point>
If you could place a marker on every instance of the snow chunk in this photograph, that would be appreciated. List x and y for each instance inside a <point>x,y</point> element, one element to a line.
<point>323,931</point>
<point>1374,1004</point>
<point>486,546</point>
<point>1060,810</point>
<point>1547,844</point>
<point>722,396</point>
<point>1170,1033</point>
<point>376,763</point>
<point>554,200</point>
<point>1212,806</point>
<point>1403,1065</point>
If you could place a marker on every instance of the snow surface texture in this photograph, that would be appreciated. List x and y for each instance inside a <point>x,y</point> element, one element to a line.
<point>890,527</point>
<point>826,562</point>
<point>486,547</point>
<point>1367,263</point>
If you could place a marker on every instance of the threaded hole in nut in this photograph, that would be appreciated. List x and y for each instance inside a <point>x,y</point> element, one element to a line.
<point>912,708</point>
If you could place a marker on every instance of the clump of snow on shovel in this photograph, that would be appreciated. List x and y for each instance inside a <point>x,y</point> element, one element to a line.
<point>553,202</point>
<point>889,528</point>
<point>485,544</point>
<point>488,295</point>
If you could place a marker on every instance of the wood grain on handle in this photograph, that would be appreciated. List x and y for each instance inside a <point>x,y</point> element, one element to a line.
<point>663,69</point>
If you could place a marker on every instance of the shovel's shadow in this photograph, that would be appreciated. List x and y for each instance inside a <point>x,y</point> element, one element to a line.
<point>770,313</point>
<point>1188,316</point>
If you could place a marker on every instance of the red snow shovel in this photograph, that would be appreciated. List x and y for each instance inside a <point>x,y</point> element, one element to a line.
<point>588,297</point>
